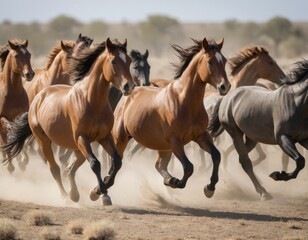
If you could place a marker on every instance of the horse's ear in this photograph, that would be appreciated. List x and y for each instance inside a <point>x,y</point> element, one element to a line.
<point>109,45</point>
<point>220,43</point>
<point>65,47</point>
<point>25,43</point>
<point>146,54</point>
<point>12,45</point>
<point>205,44</point>
<point>125,43</point>
<point>79,37</point>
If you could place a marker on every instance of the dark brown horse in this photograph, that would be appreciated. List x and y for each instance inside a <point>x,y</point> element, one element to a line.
<point>167,119</point>
<point>74,116</point>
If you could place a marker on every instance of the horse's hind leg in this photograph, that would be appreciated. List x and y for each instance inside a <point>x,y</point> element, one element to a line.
<point>246,162</point>
<point>71,171</point>
<point>206,143</point>
<point>288,146</point>
<point>45,145</point>
<point>161,166</point>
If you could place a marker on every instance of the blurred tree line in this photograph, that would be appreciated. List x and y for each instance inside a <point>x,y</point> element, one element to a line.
<point>282,37</point>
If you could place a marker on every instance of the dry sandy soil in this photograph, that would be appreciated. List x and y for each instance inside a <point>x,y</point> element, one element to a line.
<point>143,208</point>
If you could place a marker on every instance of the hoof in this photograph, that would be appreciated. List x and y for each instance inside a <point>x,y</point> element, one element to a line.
<point>105,200</point>
<point>208,193</point>
<point>273,175</point>
<point>266,197</point>
<point>74,196</point>
<point>172,182</point>
<point>94,194</point>
<point>10,168</point>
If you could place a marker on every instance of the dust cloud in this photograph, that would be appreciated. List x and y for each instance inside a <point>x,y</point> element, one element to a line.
<point>139,184</point>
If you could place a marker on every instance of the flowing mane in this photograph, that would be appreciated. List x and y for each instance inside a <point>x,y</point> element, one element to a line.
<point>298,74</point>
<point>186,55</point>
<point>79,65</point>
<point>236,63</point>
<point>55,51</point>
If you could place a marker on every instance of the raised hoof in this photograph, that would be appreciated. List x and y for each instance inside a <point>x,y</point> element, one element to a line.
<point>266,197</point>
<point>172,182</point>
<point>105,200</point>
<point>94,194</point>
<point>279,176</point>
<point>74,196</point>
<point>208,193</point>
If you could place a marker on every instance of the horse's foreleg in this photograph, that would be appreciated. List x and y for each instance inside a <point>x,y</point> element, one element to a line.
<point>246,163</point>
<point>71,171</point>
<point>116,163</point>
<point>206,143</point>
<point>188,168</point>
<point>288,146</point>
<point>85,148</point>
<point>250,145</point>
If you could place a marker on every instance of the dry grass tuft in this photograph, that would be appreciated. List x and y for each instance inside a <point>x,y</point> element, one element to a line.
<point>39,218</point>
<point>99,231</point>
<point>7,229</point>
<point>48,234</point>
<point>75,226</point>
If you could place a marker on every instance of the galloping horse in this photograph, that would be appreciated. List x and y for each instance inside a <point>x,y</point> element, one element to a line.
<point>54,72</point>
<point>270,117</point>
<point>15,64</point>
<point>167,119</point>
<point>74,116</point>
<point>247,67</point>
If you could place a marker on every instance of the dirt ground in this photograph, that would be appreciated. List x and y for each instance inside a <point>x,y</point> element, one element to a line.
<point>143,208</point>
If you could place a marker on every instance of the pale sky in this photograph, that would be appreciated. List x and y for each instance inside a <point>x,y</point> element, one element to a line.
<point>85,11</point>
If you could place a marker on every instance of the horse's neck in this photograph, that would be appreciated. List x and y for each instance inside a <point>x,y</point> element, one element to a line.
<point>191,88</point>
<point>95,86</point>
<point>11,80</point>
<point>56,73</point>
<point>247,76</point>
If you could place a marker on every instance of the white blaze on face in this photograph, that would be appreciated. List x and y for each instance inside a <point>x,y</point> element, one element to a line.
<point>218,56</point>
<point>23,50</point>
<point>122,56</point>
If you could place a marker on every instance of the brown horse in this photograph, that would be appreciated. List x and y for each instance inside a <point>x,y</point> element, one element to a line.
<point>15,64</point>
<point>167,119</point>
<point>74,116</point>
<point>54,72</point>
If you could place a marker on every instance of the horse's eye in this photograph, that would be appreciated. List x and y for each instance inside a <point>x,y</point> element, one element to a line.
<point>113,62</point>
<point>210,62</point>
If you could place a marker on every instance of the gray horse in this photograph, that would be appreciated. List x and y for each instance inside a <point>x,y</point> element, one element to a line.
<point>270,117</point>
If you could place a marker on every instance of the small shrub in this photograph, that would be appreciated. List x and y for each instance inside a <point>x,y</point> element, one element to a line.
<point>48,234</point>
<point>7,229</point>
<point>39,218</point>
<point>75,227</point>
<point>99,231</point>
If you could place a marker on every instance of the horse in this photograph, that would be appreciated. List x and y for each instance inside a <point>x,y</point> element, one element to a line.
<point>248,66</point>
<point>276,117</point>
<point>166,119</point>
<point>140,71</point>
<point>74,116</point>
<point>54,72</point>
<point>15,64</point>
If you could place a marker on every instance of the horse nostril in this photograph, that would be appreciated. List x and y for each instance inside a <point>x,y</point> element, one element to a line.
<point>222,87</point>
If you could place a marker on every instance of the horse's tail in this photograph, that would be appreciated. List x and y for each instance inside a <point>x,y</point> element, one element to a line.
<point>20,131</point>
<point>214,127</point>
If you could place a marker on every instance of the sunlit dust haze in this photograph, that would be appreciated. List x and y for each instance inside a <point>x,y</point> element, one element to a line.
<point>139,184</point>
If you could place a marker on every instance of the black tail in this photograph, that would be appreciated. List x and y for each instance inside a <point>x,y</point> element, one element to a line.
<point>20,131</point>
<point>214,127</point>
